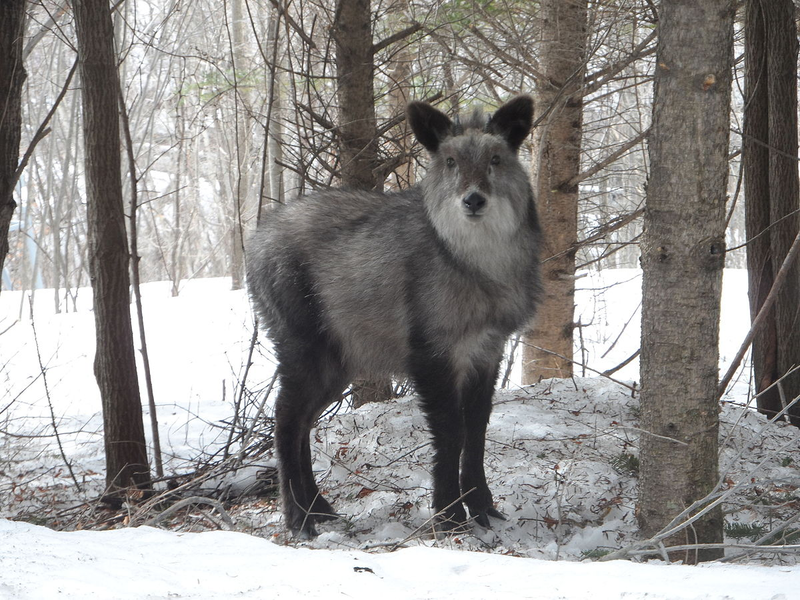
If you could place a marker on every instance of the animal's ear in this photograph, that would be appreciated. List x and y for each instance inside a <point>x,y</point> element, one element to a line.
<point>513,121</point>
<point>430,126</point>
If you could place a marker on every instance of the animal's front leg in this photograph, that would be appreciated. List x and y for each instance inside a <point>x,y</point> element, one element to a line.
<point>435,382</point>
<point>477,395</point>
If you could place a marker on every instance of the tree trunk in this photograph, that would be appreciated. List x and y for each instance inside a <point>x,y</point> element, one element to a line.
<point>556,160</point>
<point>114,364</point>
<point>241,189</point>
<point>771,193</point>
<point>358,130</point>
<point>12,76</point>
<point>683,252</point>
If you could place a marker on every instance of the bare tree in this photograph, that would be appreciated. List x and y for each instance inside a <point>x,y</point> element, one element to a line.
<point>358,130</point>
<point>12,76</point>
<point>115,364</point>
<point>683,254</point>
<point>769,151</point>
<point>556,162</point>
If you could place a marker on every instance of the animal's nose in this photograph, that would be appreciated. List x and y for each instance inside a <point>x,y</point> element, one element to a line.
<point>474,202</point>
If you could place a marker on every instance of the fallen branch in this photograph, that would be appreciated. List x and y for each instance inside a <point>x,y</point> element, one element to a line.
<point>193,500</point>
<point>703,506</point>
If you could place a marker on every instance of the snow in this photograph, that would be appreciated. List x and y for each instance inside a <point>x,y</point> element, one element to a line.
<point>555,460</point>
<point>144,563</point>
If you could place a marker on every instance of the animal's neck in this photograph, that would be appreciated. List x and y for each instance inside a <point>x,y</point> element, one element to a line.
<point>498,258</point>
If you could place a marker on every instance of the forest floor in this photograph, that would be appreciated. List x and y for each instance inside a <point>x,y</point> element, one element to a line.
<point>561,462</point>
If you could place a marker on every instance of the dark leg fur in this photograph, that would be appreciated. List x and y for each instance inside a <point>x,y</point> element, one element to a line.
<point>310,381</point>
<point>477,403</point>
<point>434,381</point>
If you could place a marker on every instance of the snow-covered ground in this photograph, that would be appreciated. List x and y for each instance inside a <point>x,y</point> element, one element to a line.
<point>145,563</point>
<point>560,462</point>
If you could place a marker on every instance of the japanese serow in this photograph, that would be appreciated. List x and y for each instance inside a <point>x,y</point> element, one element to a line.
<point>426,283</point>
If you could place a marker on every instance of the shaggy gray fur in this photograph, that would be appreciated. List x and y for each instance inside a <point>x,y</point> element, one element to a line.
<point>427,283</point>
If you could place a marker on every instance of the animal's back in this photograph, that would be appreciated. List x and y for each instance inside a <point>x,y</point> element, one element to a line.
<point>342,259</point>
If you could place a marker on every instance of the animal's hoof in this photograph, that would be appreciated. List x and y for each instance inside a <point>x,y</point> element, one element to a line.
<point>305,528</point>
<point>305,532</point>
<point>453,521</point>
<point>443,529</point>
<point>482,517</point>
<point>322,510</point>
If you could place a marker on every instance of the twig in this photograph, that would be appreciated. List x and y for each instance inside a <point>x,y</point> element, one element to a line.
<point>624,363</point>
<point>429,522</point>
<point>43,130</point>
<point>136,284</point>
<point>750,548</point>
<point>758,322</point>
<point>595,169</point>
<point>249,434</point>
<point>146,506</point>
<point>43,371</point>
<point>396,37</point>
<point>619,335</point>
<point>510,363</point>
<point>587,367</point>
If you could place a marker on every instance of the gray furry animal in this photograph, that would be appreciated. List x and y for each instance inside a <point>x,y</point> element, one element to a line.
<point>428,283</point>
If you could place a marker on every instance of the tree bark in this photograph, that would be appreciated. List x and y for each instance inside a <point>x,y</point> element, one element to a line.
<point>242,202</point>
<point>114,364</point>
<point>358,130</point>
<point>683,250</point>
<point>770,168</point>
<point>556,161</point>
<point>12,77</point>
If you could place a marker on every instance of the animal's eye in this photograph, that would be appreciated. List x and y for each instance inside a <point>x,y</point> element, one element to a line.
<point>495,160</point>
<point>451,162</point>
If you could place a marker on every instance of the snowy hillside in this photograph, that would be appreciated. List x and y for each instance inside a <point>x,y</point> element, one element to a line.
<point>561,462</point>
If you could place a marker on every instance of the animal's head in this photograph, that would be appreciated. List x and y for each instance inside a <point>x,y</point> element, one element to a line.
<point>475,185</point>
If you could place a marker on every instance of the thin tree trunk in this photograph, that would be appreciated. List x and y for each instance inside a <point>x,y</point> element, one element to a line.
<point>275,111</point>
<point>771,194</point>
<point>784,185</point>
<point>358,131</point>
<point>556,161</point>
<point>398,98</point>
<point>12,77</point>
<point>683,252</point>
<point>137,288</point>
<point>755,162</point>
<point>109,261</point>
<point>241,190</point>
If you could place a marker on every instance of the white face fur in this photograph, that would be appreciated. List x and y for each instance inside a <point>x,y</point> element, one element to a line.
<point>480,164</point>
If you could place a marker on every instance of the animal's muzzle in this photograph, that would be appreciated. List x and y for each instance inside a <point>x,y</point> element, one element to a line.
<point>474,203</point>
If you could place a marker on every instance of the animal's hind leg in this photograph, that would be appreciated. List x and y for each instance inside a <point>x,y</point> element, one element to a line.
<point>304,394</point>
<point>477,402</point>
<point>320,507</point>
